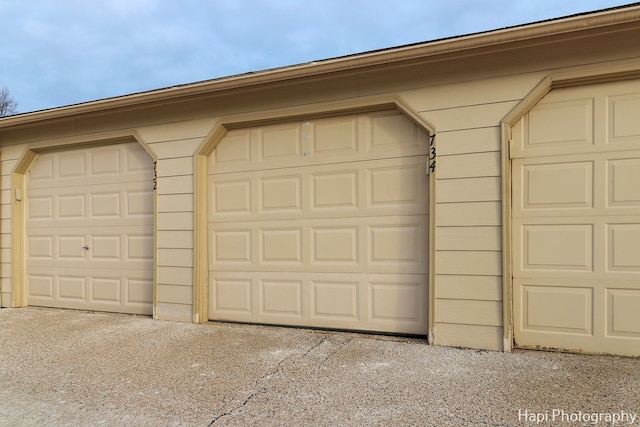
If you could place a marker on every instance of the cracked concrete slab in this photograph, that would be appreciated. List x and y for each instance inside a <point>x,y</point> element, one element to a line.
<point>70,368</point>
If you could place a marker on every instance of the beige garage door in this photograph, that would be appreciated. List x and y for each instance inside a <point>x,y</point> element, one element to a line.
<point>576,221</point>
<point>322,224</point>
<point>89,229</point>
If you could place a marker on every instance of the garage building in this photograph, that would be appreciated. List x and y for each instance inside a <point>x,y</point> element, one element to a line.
<point>480,191</point>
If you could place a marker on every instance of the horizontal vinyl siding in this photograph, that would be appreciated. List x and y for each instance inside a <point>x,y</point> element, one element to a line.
<point>174,145</point>
<point>471,336</point>
<point>483,238</point>
<point>468,214</point>
<point>9,156</point>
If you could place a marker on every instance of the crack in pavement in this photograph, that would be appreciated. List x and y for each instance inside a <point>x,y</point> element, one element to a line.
<point>263,388</point>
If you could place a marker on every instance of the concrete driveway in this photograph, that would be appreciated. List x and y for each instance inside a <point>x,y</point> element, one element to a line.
<point>63,367</point>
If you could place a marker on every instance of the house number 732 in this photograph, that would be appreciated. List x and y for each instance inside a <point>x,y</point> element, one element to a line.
<point>155,175</point>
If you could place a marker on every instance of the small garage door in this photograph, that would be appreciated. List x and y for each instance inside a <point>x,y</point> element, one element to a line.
<point>89,229</point>
<point>321,223</point>
<point>576,221</point>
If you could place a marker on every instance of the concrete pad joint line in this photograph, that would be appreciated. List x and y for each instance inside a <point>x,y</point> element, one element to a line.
<point>268,377</point>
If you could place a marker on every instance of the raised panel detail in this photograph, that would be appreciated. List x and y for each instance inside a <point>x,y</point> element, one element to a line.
<point>335,135</point>
<point>232,196</point>
<point>232,246</point>
<point>139,291</point>
<point>395,243</point>
<point>137,159</point>
<point>72,287</point>
<point>335,190</point>
<point>233,295</point>
<point>558,185</point>
<point>624,316</point>
<point>71,207</point>
<point>557,247</point>
<point>558,309</point>
<point>105,162</point>
<point>105,205</point>
<point>282,245</point>
<point>139,248</point>
<point>106,248</point>
<point>71,164</point>
<point>336,299</point>
<point>40,247</point>
<point>281,193</point>
<point>70,247</point>
<point>559,123</point>
<point>42,169</point>
<point>105,289</point>
<point>40,286</point>
<point>335,244</point>
<point>391,130</point>
<point>393,185</point>
<point>623,247</point>
<point>624,123</point>
<point>139,203</point>
<point>623,188</point>
<point>234,148</point>
<point>41,208</point>
<point>391,301</point>
<point>281,142</point>
<point>282,297</point>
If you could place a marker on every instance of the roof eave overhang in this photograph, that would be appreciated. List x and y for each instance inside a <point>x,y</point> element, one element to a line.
<point>561,29</point>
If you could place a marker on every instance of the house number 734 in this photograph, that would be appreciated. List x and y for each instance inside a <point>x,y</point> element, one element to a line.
<point>431,164</point>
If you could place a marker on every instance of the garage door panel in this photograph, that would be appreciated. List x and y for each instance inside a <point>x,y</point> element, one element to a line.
<point>282,193</point>
<point>557,185</point>
<point>280,245</point>
<point>393,301</point>
<point>319,141</point>
<point>623,248</point>
<point>380,302</point>
<point>89,229</point>
<point>311,221</point>
<point>335,244</point>
<point>281,298</point>
<point>557,247</point>
<point>71,287</point>
<point>99,165</point>
<point>561,123</point>
<point>623,118</point>
<point>97,205</point>
<point>335,135</point>
<point>623,318</point>
<point>335,300</point>
<point>374,244</point>
<point>354,189</point>
<point>576,221</point>
<point>335,190</point>
<point>623,179</point>
<point>557,309</point>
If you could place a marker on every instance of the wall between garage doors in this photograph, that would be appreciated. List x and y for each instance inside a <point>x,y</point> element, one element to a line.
<point>465,99</point>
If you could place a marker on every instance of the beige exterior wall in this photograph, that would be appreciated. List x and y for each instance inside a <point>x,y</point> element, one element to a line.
<point>468,247</point>
<point>174,146</point>
<point>464,98</point>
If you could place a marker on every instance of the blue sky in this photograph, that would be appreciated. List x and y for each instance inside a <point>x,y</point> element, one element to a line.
<point>62,52</point>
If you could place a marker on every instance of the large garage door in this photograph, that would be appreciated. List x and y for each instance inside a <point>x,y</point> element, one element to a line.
<point>89,229</point>
<point>576,221</point>
<point>321,224</point>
